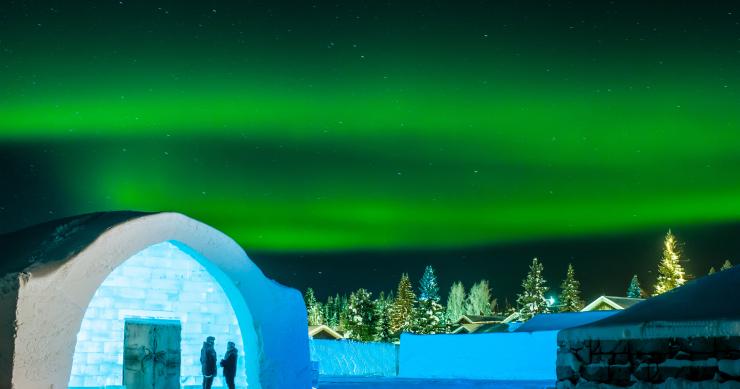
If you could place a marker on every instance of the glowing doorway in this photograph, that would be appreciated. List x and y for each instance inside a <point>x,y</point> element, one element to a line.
<point>160,282</point>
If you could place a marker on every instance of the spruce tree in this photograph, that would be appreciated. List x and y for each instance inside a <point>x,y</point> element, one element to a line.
<point>428,287</point>
<point>570,293</point>
<point>383,306</point>
<point>479,299</point>
<point>403,306</point>
<point>455,303</point>
<point>532,300</point>
<point>670,272</point>
<point>313,308</point>
<point>361,316</point>
<point>726,266</point>
<point>342,303</point>
<point>428,317</point>
<point>634,291</point>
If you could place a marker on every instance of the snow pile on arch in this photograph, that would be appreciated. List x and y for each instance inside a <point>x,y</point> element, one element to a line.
<point>49,274</point>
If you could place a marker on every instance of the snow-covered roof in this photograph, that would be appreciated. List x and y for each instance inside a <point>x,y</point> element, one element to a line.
<point>314,330</point>
<point>707,306</point>
<point>561,321</point>
<point>472,319</point>
<point>613,301</point>
<point>56,240</point>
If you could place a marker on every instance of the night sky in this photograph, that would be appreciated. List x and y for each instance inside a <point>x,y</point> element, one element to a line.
<point>344,142</point>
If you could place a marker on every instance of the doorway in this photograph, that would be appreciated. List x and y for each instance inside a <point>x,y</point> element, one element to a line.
<point>151,354</point>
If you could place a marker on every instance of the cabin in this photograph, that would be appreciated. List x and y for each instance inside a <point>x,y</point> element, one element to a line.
<point>609,303</point>
<point>467,324</point>
<point>323,332</point>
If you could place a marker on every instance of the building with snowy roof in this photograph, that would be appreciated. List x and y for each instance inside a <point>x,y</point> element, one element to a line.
<point>127,299</point>
<point>608,303</point>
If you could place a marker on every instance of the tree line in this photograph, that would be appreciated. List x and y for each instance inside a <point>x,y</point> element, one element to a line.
<point>361,317</point>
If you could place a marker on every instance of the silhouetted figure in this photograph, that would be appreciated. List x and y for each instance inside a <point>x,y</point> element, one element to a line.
<point>229,364</point>
<point>208,362</point>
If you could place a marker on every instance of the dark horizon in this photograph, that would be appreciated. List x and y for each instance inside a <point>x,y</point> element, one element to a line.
<point>604,264</point>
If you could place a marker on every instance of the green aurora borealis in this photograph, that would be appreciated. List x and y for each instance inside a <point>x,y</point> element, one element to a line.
<point>376,126</point>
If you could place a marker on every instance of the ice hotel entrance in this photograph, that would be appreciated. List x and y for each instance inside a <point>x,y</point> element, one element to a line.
<point>151,315</point>
<point>123,298</point>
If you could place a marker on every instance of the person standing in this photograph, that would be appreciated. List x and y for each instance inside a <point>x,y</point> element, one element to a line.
<point>229,364</point>
<point>208,362</point>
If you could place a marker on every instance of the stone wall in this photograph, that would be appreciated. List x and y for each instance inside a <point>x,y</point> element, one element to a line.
<point>704,362</point>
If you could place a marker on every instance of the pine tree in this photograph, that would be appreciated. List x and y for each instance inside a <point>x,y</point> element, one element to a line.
<point>634,291</point>
<point>403,306</point>
<point>479,299</point>
<point>383,306</point>
<point>428,288</point>
<point>532,300</point>
<point>455,303</point>
<point>361,316</point>
<point>712,271</point>
<point>428,317</point>
<point>313,308</point>
<point>570,293</point>
<point>342,304</point>
<point>670,272</point>
<point>726,266</point>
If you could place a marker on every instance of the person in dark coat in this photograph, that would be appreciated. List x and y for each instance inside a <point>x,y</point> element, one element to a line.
<point>208,362</point>
<point>229,364</point>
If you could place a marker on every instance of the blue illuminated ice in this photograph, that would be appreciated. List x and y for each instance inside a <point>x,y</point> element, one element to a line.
<point>160,282</point>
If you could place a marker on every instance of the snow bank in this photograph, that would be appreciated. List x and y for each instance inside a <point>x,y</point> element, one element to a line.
<point>349,358</point>
<point>560,321</point>
<point>493,356</point>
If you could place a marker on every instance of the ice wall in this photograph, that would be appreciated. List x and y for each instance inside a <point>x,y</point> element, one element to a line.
<point>493,356</point>
<point>160,282</point>
<point>349,358</point>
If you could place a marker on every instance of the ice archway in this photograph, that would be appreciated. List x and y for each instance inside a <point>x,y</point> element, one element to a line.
<point>55,270</point>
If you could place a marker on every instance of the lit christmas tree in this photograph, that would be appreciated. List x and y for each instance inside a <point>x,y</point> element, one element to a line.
<point>670,272</point>
<point>361,316</point>
<point>428,288</point>
<point>570,293</point>
<point>313,308</point>
<point>403,306</point>
<point>726,266</point>
<point>532,300</point>
<point>455,303</point>
<point>634,291</point>
<point>479,299</point>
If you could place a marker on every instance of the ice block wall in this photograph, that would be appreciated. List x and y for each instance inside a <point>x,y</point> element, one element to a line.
<point>160,282</point>
<point>349,358</point>
<point>493,356</point>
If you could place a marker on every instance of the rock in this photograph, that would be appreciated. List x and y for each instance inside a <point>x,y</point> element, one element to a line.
<point>689,370</point>
<point>614,346</point>
<point>567,367</point>
<point>598,372</point>
<point>648,372</point>
<point>729,367</point>
<point>620,374</point>
<point>649,346</point>
<point>682,355</point>
<point>698,345</point>
<point>565,385</point>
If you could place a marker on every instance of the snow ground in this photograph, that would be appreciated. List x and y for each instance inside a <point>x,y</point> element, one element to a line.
<point>414,383</point>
